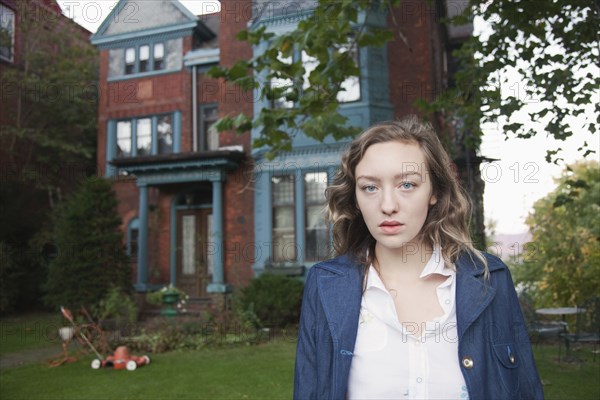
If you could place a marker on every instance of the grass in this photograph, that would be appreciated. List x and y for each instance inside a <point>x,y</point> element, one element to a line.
<point>29,331</point>
<point>248,372</point>
<point>244,372</point>
<point>579,379</point>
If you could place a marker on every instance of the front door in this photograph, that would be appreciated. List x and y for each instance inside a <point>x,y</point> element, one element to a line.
<point>193,251</point>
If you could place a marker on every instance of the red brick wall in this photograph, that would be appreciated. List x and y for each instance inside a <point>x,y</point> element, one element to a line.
<point>413,67</point>
<point>238,196</point>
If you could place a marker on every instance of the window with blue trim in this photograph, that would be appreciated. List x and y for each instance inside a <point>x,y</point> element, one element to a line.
<point>132,239</point>
<point>7,33</point>
<point>313,243</point>
<point>284,234</point>
<point>209,136</point>
<point>145,58</point>
<point>349,88</point>
<point>142,136</point>
<point>316,227</point>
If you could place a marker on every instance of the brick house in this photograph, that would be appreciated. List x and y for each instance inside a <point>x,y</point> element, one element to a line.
<point>207,212</point>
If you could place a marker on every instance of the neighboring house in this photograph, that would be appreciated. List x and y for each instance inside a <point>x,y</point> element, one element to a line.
<point>24,28</point>
<point>207,212</point>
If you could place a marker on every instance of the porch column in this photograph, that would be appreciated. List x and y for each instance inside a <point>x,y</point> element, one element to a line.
<point>142,267</point>
<point>218,279</point>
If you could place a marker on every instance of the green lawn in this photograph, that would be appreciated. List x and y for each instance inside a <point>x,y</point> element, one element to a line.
<point>248,372</point>
<point>243,372</point>
<point>578,379</point>
<point>29,331</point>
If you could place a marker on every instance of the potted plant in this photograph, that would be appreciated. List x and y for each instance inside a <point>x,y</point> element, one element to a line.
<point>170,297</point>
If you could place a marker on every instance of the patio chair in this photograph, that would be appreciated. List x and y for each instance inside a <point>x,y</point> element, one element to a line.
<point>538,329</point>
<point>587,328</point>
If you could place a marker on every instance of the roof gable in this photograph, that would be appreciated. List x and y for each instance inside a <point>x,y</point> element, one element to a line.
<point>129,17</point>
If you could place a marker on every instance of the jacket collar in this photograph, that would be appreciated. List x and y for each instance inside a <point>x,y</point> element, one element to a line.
<point>473,290</point>
<point>340,287</point>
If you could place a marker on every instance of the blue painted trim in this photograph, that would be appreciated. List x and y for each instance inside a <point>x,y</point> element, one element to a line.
<point>142,272</point>
<point>201,57</point>
<point>108,20</point>
<point>111,143</point>
<point>111,148</point>
<point>134,223</point>
<point>136,66</point>
<point>218,288</point>
<point>153,135</point>
<point>143,75</point>
<point>262,218</point>
<point>173,242</point>
<point>177,131</point>
<point>118,40</point>
<point>218,277</point>
<point>134,136</point>
<point>299,217</point>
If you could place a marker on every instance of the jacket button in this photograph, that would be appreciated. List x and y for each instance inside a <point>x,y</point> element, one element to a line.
<point>467,362</point>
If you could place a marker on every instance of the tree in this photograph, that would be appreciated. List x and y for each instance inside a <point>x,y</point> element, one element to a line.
<point>91,257</point>
<point>49,100</point>
<point>326,37</point>
<point>48,130</point>
<point>562,262</point>
<point>553,44</point>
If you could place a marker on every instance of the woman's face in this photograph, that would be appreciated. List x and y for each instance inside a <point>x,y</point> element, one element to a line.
<point>394,193</point>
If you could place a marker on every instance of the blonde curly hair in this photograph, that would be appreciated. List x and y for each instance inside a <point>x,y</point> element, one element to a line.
<point>447,222</point>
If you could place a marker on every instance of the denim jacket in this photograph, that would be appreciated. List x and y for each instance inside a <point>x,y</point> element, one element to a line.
<point>493,347</point>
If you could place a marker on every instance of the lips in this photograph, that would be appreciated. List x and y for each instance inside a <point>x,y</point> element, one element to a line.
<point>390,227</point>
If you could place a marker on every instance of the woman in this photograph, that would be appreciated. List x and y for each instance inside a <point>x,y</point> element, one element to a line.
<point>409,309</point>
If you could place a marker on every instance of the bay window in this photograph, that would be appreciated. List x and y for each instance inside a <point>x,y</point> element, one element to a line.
<point>142,136</point>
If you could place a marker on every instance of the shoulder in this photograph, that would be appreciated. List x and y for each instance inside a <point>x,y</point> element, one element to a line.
<point>468,262</point>
<point>343,265</point>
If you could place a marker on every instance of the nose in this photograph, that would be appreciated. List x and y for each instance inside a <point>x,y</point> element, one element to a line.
<point>389,202</point>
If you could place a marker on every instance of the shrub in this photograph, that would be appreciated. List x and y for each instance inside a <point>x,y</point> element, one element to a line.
<point>9,273</point>
<point>119,307</point>
<point>91,257</point>
<point>274,300</point>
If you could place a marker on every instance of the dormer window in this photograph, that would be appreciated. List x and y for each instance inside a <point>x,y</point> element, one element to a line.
<point>129,61</point>
<point>159,56</point>
<point>145,58</point>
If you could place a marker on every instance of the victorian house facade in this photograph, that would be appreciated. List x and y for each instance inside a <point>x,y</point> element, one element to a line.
<point>205,211</point>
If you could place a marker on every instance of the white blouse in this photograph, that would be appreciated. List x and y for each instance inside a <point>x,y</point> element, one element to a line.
<point>391,363</point>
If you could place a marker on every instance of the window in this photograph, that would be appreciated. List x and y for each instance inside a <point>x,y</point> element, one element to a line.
<point>7,33</point>
<point>146,58</point>
<point>309,63</point>
<point>350,88</point>
<point>159,56</point>
<point>293,202</point>
<point>129,61</point>
<point>145,136</point>
<point>164,129</point>
<point>124,138</point>
<point>316,230</point>
<point>282,85</point>
<point>284,237</point>
<point>209,137</point>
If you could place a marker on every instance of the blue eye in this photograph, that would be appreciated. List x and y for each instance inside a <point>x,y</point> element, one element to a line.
<point>407,186</point>
<point>369,188</point>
